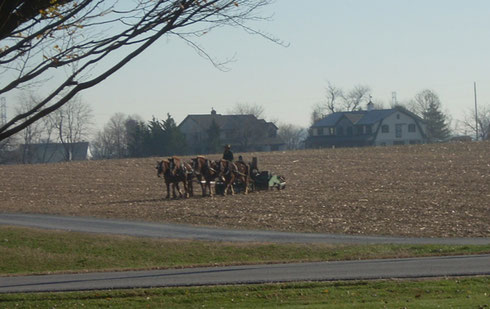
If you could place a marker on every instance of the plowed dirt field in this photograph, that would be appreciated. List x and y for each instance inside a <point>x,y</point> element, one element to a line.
<point>424,190</point>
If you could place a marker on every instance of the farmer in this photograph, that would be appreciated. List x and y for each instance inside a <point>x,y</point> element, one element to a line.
<point>227,154</point>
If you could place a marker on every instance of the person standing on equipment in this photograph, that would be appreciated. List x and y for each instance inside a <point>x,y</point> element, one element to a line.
<point>228,154</point>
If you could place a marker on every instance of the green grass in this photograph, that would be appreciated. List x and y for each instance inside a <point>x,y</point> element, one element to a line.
<point>442,293</point>
<point>24,251</point>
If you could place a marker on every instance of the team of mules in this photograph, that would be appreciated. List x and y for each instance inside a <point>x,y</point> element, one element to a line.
<point>205,171</point>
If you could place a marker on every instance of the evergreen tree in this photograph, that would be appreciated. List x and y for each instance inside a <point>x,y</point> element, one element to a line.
<point>174,139</point>
<point>138,134</point>
<point>155,138</point>
<point>437,128</point>
<point>428,106</point>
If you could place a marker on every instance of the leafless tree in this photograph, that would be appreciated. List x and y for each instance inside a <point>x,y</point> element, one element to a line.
<point>6,150</point>
<point>32,133</point>
<point>338,100</point>
<point>317,113</point>
<point>292,135</point>
<point>112,140</point>
<point>247,109</point>
<point>72,122</point>
<point>68,46</point>
<point>480,123</point>
<point>355,97</point>
<point>422,100</point>
<point>248,132</point>
<point>333,96</point>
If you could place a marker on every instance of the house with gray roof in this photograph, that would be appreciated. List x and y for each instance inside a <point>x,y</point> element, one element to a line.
<point>372,127</point>
<point>243,132</point>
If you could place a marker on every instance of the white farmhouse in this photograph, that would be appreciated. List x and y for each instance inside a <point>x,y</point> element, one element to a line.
<point>395,126</point>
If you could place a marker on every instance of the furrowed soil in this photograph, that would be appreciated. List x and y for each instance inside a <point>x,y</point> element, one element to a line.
<point>424,190</point>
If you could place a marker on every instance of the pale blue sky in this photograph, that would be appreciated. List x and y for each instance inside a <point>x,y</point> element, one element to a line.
<point>388,45</point>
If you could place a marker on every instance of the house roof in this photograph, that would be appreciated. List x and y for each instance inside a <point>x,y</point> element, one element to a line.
<point>375,115</point>
<point>329,121</point>
<point>234,122</point>
<point>225,122</point>
<point>360,117</point>
<point>205,121</point>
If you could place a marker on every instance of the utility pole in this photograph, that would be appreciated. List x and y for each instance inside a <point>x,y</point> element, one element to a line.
<point>3,111</point>
<point>476,113</point>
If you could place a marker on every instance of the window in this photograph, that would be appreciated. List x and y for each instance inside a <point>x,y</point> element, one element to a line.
<point>349,131</point>
<point>332,131</point>
<point>397,116</point>
<point>411,127</point>
<point>398,130</point>
<point>385,128</point>
<point>369,129</point>
<point>319,131</point>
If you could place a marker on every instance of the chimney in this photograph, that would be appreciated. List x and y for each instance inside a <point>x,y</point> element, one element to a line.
<point>213,112</point>
<point>370,106</point>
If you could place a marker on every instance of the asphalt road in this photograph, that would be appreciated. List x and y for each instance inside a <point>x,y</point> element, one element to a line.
<point>181,231</point>
<point>344,270</point>
<point>347,270</point>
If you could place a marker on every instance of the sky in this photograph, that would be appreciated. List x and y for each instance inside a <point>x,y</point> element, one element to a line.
<point>389,45</point>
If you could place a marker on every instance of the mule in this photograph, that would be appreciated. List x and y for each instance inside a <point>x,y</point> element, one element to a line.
<point>164,170</point>
<point>182,172</point>
<point>205,171</point>
<point>234,171</point>
<point>243,175</point>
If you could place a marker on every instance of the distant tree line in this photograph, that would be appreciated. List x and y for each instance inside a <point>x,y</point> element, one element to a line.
<point>128,136</point>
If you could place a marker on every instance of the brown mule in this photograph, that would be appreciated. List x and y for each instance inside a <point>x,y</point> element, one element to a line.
<point>205,171</point>
<point>182,172</point>
<point>164,170</point>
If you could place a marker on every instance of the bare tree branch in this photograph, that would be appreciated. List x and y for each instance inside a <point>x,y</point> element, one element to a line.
<point>38,37</point>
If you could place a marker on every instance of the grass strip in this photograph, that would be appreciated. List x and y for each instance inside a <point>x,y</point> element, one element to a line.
<point>28,251</point>
<point>440,293</point>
